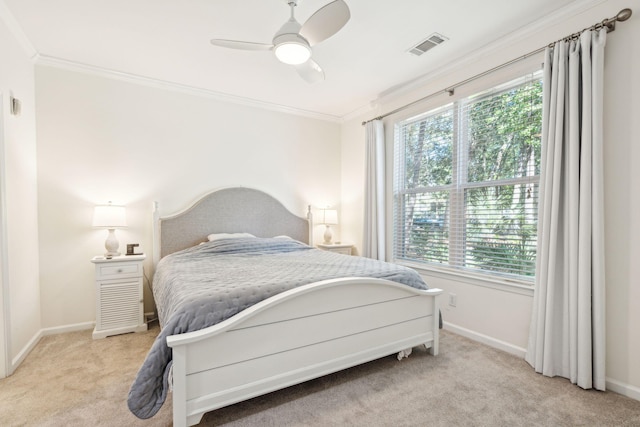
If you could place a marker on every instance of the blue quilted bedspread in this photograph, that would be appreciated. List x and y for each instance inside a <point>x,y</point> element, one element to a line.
<point>206,284</point>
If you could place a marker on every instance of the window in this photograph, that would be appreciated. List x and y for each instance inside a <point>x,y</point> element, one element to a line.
<point>466,182</point>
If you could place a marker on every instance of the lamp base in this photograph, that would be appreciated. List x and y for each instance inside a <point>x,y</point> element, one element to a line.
<point>111,244</point>
<point>328,235</point>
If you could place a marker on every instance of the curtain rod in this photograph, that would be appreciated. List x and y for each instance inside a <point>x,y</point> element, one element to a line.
<point>609,24</point>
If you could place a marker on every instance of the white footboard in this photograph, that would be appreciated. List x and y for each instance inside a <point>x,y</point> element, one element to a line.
<point>295,336</point>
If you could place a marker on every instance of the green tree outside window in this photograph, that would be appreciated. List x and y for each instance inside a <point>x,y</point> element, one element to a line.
<point>466,186</point>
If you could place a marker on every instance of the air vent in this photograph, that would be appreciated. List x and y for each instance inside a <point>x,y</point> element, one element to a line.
<point>432,41</point>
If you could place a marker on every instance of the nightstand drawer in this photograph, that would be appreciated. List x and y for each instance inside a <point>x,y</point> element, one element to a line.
<point>344,251</point>
<point>120,270</point>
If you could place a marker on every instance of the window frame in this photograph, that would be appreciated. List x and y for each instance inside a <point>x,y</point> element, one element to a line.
<point>496,83</point>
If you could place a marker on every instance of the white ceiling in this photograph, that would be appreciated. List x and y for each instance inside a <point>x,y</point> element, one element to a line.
<point>168,40</point>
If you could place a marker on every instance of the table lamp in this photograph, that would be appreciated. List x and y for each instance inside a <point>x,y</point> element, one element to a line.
<point>328,217</point>
<point>110,217</point>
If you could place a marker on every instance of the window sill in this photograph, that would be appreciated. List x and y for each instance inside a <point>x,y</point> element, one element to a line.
<point>503,284</point>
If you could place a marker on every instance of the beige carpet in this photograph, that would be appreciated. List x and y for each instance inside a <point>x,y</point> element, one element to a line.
<point>72,380</point>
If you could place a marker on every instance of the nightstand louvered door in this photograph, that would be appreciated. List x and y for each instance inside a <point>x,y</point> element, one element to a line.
<point>119,298</point>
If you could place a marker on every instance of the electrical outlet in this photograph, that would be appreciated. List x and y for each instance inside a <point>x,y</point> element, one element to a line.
<point>453,300</point>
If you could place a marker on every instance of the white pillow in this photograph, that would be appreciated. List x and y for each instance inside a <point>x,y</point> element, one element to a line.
<point>283,237</point>
<point>218,236</point>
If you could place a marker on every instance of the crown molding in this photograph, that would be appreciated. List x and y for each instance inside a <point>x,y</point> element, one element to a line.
<point>359,112</point>
<point>16,30</point>
<point>489,49</point>
<point>51,61</point>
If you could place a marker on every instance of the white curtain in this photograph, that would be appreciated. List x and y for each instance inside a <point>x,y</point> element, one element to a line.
<point>373,244</point>
<point>567,336</point>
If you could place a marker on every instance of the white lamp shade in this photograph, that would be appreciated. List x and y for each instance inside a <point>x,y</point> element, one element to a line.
<point>329,216</point>
<point>109,216</point>
<point>292,53</point>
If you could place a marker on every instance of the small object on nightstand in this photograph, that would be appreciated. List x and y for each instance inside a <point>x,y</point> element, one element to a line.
<point>131,248</point>
<point>119,297</point>
<point>340,248</point>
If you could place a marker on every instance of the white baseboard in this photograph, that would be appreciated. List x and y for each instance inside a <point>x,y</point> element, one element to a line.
<point>485,339</point>
<point>68,328</point>
<point>24,352</point>
<point>623,389</point>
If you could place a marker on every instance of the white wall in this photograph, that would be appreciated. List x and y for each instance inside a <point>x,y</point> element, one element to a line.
<point>103,139</point>
<point>353,170</point>
<point>622,186</point>
<point>19,157</point>
<point>495,314</point>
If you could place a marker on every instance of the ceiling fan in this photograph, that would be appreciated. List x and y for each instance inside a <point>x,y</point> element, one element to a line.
<point>292,43</point>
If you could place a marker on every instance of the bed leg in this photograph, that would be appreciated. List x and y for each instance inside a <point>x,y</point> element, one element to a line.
<point>194,419</point>
<point>436,327</point>
<point>433,350</point>
<point>179,387</point>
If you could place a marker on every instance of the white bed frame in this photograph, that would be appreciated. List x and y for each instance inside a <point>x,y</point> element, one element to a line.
<point>292,337</point>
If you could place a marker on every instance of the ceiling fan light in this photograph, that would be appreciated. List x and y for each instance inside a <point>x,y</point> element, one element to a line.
<point>292,52</point>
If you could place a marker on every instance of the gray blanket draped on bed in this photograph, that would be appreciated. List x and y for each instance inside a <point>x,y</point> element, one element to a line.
<point>206,284</point>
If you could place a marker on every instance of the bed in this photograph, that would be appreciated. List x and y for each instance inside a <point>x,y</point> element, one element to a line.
<point>300,313</point>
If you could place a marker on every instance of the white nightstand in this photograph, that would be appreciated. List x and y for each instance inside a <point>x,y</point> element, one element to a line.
<point>119,298</point>
<point>340,248</point>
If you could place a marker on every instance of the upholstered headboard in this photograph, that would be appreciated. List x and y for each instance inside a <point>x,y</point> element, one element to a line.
<point>230,210</point>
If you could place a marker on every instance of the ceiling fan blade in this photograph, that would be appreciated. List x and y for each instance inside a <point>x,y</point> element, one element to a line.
<point>327,21</point>
<point>310,71</point>
<point>236,44</point>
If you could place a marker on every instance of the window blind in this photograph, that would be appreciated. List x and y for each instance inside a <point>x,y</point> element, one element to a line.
<point>466,182</point>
